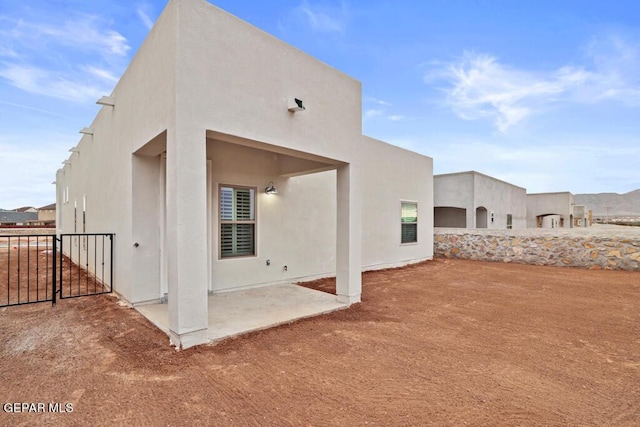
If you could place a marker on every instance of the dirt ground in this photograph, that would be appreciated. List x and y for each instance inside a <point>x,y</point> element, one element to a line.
<point>447,342</point>
<point>26,274</point>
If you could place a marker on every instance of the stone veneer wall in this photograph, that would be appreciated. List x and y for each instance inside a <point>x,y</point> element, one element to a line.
<point>593,252</point>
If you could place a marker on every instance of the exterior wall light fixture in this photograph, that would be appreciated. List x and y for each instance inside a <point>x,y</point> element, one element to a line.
<point>295,104</point>
<point>271,189</point>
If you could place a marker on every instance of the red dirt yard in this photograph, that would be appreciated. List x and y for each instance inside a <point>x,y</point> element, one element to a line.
<point>447,342</point>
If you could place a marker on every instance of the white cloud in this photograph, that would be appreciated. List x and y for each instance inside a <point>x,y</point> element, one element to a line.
<point>43,82</point>
<point>616,62</point>
<point>379,112</point>
<point>368,114</point>
<point>14,105</point>
<point>42,57</point>
<point>142,12</point>
<point>370,99</point>
<point>323,18</point>
<point>83,32</point>
<point>100,73</point>
<point>379,109</point>
<point>8,52</point>
<point>26,173</point>
<point>479,86</point>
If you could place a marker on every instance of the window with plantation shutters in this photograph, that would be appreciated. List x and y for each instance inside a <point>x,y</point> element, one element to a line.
<point>237,221</point>
<point>409,222</point>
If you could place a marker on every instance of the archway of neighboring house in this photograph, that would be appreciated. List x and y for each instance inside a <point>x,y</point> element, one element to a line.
<point>571,221</point>
<point>549,221</point>
<point>449,217</point>
<point>481,217</point>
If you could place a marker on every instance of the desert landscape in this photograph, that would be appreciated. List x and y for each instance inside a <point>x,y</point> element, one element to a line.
<point>457,183</point>
<point>445,342</point>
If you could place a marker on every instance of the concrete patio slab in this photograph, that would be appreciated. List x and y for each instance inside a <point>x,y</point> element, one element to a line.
<point>239,312</point>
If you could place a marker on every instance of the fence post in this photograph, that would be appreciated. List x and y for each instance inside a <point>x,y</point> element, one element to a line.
<point>111,263</point>
<point>55,276</point>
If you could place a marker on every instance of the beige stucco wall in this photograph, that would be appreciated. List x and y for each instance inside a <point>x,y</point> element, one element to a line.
<point>289,224</point>
<point>470,190</point>
<point>204,102</point>
<point>204,72</point>
<point>46,215</point>
<point>296,226</point>
<point>501,198</point>
<point>454,191</point>
<point>391,175</point>
<point>560,203</point>
<point>235,79</point>
<point>102,167</point>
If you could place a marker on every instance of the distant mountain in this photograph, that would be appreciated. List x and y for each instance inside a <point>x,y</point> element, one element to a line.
<point>627,204</point>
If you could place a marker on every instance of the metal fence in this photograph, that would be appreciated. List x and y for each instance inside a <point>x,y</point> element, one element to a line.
<point>40,268</point>
<point>28,269</point>
<point>86,266</point>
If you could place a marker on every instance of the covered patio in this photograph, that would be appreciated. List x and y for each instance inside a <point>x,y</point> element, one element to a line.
<point>182,254</point>
<point>238,312</point>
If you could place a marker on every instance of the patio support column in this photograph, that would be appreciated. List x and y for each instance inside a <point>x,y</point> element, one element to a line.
<point>349,236</point>
<point>186,184</point>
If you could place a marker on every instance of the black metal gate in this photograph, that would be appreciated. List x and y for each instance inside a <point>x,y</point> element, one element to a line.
<point>40,268</point>
<point>86,265</point>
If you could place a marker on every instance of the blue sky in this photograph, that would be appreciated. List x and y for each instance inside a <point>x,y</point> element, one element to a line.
<point>544,94</point>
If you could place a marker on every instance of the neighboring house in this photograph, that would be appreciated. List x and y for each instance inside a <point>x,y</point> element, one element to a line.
<point>30,209</point>
<point>13,218</point>
<point>183,159</point>
<point>550,210</point>
<point>474,200</point>
<point>47,214</point>
<point>583,216</point>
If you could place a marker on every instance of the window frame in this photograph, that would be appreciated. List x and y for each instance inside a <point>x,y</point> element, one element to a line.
<point>509,222</point>
<point>254,222</point>
<point>413,202</point>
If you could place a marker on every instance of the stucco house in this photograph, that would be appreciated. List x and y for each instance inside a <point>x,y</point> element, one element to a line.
<point>582,216</point>
<point>225,159</point>
<point>47,214</point>
<point>15,218</point>
<point>29,209</point>
<point>475,200</point>
<point>550,210</point>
